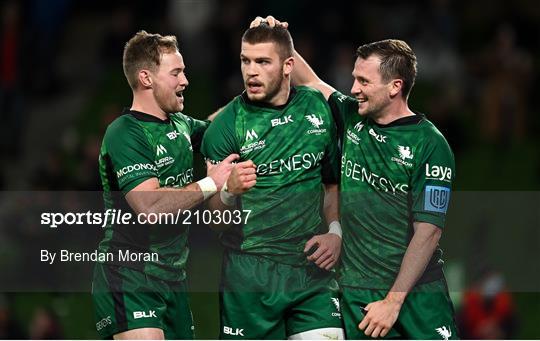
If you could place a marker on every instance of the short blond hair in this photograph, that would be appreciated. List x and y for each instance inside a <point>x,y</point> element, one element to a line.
<point>144,51</point>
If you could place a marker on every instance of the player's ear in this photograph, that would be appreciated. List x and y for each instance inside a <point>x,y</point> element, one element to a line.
<point>145,78</point>
<point>395,86</point>
<point>288,66</point>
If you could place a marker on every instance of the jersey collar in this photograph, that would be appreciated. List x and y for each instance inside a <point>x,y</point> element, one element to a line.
<point>141,116</point>
<point>246,99</point>
<point>404,121</point>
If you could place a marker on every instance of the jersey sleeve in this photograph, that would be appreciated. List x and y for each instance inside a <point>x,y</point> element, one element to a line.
<point>330,164</point>
<point>198,129</point>
<point>432,182</point>
<point>130,154</point>
<point>341,106</point>
<point>332,160</point>
<point>220,139</point>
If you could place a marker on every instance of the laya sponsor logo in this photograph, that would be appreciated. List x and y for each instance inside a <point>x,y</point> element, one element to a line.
<point>136,167</point>
<point>436,199</point>
<point>435,172</point>
<point>281,121</point>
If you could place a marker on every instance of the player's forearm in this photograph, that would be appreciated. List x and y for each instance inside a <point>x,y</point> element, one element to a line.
<point>419,252</point>
<point>331,203</point>
<point>166,199</point>
<point>302,73</point>
<point>184,198</point>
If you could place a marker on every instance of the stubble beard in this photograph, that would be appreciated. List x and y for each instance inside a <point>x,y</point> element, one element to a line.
<point>164,102</point>
<point>373,111</point>
<point>273,89</point>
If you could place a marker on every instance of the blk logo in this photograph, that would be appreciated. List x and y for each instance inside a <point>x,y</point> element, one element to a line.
<point>281,120</point>
<point>233,332</point>
<point>144,314</point>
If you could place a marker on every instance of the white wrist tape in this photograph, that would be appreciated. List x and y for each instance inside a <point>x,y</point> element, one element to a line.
<point>208,187</point>
<point>335,228</point>
<point>227,197</point>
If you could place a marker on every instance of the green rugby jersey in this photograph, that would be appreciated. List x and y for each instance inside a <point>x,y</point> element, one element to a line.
<point>294,148</point>
<point>137,147</point>
<point>391,176</point>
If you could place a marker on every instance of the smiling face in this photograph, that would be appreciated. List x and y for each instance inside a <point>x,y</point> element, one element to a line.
<point>169,82</point>
<point>263,72</point>
<point>371,91</point>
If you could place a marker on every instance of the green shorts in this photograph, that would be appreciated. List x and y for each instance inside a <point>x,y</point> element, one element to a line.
<point>126,299</point>
<point>427,313</point>
<point>263,299</point>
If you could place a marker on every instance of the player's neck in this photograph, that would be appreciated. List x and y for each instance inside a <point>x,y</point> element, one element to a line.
<point>392,112</point>
<point>282,96</point>
<point>147,105</point>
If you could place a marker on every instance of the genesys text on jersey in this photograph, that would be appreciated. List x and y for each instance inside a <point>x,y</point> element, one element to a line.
<point>120,217</point>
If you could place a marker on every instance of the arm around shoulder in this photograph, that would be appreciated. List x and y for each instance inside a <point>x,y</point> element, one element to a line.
<point>303,74</point>
<point>148,197</point>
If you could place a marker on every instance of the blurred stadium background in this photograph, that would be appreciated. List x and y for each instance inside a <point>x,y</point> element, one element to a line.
<point>61,83</point>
